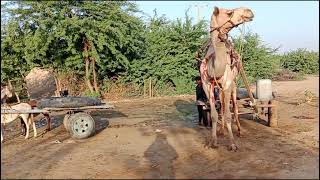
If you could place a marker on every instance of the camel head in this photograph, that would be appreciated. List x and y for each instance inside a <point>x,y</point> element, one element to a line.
<point>224,20</point>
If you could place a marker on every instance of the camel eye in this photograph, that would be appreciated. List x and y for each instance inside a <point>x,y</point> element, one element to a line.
<point>230,13</point>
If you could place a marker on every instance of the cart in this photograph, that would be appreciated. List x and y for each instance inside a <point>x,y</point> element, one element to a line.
<point>77,120</point>
<point>260,109</point>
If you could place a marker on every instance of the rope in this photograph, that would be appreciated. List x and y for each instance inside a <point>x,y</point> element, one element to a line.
<point>240,59</point>
<point>242,30</point>
<point>241,38</point>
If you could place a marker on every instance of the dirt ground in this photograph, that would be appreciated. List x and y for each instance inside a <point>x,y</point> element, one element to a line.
<point>128,143</point>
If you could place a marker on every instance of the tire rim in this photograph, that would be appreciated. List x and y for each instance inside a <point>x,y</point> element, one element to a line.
<point>80,126</point>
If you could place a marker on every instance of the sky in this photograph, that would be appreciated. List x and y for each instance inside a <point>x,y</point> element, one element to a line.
<point>288,24</point>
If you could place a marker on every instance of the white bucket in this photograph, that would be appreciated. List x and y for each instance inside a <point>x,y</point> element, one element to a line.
<point>264,89</point>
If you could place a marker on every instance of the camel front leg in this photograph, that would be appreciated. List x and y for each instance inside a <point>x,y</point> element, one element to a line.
<point>25,120</point>
<point>208,89</point>
<point>228,118</point>
<point>221,97</point>
<point>235,108</point>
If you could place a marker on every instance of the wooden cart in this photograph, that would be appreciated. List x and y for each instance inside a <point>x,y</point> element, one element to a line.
<point>77,121</point>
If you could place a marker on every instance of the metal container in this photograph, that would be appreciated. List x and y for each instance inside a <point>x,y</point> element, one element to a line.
<point>264,89</point>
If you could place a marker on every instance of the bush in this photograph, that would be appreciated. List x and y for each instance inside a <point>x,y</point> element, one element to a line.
<point>259,60</point>
<point>286,75</point>
<point>302,61</point>
<point>91,94</point>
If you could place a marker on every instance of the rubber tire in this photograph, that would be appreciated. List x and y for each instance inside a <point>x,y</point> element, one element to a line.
<point>73,125</point>
<point>68,102</point>
<point>66,122</point>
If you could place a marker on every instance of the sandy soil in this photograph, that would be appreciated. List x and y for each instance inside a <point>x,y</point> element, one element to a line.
<point>128,145</point>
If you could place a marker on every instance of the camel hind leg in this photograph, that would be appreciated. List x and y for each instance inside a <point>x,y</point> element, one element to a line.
<point>31,118</point>
<point>1,134</point>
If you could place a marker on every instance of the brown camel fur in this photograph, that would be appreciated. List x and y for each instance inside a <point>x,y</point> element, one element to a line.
<point>217,66</point>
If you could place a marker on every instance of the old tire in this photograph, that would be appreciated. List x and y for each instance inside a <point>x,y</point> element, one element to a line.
<point>68,102</point>
<point>66,122</point>
<point>81,125</point>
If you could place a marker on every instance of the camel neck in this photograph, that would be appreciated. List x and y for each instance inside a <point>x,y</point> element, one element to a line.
<point>216,40</point>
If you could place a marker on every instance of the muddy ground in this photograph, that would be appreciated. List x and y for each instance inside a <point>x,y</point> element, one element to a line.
<point>128,145</point>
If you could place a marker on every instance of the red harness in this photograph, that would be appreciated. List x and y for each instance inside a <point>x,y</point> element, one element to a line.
<point>205,76</point>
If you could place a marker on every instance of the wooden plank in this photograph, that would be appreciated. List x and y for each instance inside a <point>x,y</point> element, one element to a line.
<point>107,106</point>
<point>241,113</point>
<point>20,111</point>
<point>48,110</point>
<point>266,105</point>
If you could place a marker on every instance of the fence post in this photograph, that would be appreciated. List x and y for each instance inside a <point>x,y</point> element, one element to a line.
<point>273,113</point>
<point>144,88</point>
<point>150,87</point>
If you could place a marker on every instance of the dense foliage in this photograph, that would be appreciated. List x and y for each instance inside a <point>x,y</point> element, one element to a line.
<point>51,34</point>
<point>258,59</point>
<point>124,47</point>
<point>302,61</point>
<point>170,53</point>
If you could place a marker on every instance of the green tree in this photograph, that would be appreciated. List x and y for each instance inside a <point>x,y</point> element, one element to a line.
<point>53,34</point>
<point>170,53</point>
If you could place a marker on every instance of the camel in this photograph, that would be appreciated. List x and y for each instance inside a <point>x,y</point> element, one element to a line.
<point>26,118</point>
<point>220,65</point>
<point>203,49</point>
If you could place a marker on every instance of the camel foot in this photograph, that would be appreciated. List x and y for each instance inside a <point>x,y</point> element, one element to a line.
<point>239,134</point>
<point>221,132</point>
<point>233,147</point>
<point>23,132</point>
<point>211,144</point>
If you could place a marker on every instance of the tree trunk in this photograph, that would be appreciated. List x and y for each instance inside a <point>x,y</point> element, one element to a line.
<point>86,47</point>
<point>88,75</point>
<point>95,84</point>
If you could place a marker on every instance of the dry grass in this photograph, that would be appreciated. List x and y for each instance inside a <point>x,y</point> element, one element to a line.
<point>287,75</point>
<point>74,85</point>
<point>305,97</point>
<point>118,91</point>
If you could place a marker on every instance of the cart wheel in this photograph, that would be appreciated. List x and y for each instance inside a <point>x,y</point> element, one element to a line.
<point>81,125</point>
<point>66,122</point>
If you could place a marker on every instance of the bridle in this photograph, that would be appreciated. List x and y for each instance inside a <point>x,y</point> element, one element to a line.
<point>228,21</point>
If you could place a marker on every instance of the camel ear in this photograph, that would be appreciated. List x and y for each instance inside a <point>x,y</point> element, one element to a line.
<point>216,11</point>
